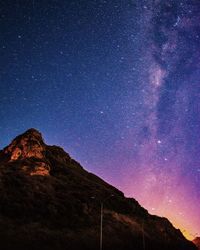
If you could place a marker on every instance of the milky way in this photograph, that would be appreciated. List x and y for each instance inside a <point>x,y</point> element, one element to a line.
<point>168,159</point>
<point>116,83</point>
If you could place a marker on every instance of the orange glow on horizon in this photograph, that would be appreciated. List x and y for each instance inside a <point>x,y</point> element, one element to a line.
<point>171,199</point>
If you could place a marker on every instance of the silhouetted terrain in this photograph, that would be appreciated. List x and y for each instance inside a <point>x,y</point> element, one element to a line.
<point>48,201</point>
<point>196,241</point>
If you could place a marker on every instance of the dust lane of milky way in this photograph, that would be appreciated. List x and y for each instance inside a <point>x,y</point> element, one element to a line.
<point>116,83</point>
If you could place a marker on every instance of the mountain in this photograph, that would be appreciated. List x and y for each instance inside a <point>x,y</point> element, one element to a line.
<point>48,201</point>
<point>196,241</point>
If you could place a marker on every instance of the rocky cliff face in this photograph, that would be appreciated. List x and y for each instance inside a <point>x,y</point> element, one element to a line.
<point>28,145</point>
<point>31,154</point>
<point>48,201</point>
<point>28,150</point>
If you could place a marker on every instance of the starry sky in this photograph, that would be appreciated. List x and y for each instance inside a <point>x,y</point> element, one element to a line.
<point>116,83</point>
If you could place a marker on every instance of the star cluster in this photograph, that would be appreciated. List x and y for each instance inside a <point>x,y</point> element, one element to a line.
<point>116,83</point>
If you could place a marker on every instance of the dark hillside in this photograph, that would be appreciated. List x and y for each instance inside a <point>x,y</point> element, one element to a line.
<point>48,201</point>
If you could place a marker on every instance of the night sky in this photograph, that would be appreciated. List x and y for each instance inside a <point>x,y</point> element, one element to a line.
<point>117,84</point>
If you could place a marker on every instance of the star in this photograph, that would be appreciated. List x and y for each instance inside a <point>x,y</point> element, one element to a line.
<point>118,82</point>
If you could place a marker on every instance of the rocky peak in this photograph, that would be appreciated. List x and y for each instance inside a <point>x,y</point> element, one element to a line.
<point>29,144</point>
<point>28,150</point>
<point>29,153</point>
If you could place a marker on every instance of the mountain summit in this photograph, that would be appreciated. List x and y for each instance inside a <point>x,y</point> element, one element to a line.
<point>31,154</point>
<point>28,145</point>
<point>48,201</point>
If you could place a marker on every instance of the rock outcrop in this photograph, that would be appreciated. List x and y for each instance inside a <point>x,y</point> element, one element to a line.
<point>31,154</point>
<point>28,145</point>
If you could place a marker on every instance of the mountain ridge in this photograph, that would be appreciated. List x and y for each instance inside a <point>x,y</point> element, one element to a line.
<point>46,192</point>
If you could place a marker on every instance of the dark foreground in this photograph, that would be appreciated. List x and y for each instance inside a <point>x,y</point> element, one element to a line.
<point>49,202</point>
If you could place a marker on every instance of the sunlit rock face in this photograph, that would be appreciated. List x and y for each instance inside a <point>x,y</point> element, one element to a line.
<point>38,168</point>
<point>29,150</point>
<point>29,153</point>
<point>30,144</point>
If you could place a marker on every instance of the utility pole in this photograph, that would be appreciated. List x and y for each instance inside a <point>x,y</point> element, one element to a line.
<point>143,239</point>
<point>101,222</point>
<point>101,227</point>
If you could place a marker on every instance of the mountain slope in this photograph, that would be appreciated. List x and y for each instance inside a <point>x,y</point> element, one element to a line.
<point>196,241</point>
<point>48,201</point>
